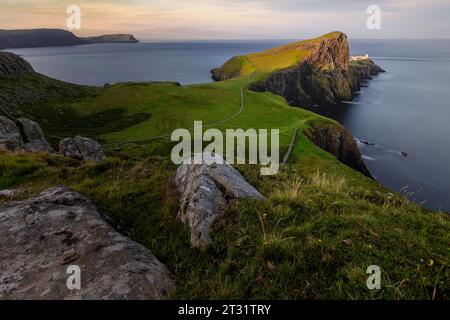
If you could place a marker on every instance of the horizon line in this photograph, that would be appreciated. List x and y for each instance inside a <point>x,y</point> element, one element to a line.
<point>274,39</point>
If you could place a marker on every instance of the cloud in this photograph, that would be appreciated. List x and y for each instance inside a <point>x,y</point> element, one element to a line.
<point>213,19</point>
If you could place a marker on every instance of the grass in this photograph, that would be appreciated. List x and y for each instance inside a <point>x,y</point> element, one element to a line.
<point>265,62</point>
<point>313,238</point>
<point>320,227</point>
<point>130,112</point>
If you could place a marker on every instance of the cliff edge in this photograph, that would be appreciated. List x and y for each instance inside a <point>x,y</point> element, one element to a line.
<point>306,73</point>
<point>29,38</point>
<point>38,38</point>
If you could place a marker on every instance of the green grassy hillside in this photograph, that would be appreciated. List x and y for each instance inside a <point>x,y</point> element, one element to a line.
<point>263,63</point>
<point>320,227</point>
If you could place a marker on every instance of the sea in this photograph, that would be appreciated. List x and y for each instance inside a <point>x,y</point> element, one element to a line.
<point>402,116</point>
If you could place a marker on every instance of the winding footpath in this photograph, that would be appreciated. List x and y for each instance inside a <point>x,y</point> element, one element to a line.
<point>290,148</point>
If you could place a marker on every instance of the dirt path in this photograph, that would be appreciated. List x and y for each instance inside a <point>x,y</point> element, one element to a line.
<point>291,146</point>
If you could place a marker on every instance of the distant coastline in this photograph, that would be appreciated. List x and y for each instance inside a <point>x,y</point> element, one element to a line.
<point>32,38</point>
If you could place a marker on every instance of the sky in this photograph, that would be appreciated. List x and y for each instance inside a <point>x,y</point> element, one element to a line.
<point>234,19</point>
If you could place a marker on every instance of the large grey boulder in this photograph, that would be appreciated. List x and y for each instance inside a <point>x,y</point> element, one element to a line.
<point>33,136</point>
<point>10,138</point>
<point>43,236</point>
<point>82,148</point>
<point>204,192</point>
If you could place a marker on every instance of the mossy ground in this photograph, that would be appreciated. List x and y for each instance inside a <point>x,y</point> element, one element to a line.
<point>320,227</point>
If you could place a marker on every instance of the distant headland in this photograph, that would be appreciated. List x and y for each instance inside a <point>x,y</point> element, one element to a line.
<point>112,38</point>
<point>28,38</point>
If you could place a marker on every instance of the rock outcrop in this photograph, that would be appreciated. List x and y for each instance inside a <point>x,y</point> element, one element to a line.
<point>27,136</point>
<point>204,192</point>
<point>33,137</point>
<point>22,135</point>
<point>82,148</point>
<point>337,140</point>
<point>306,85</point>
<point>60,228</point>
<point>10,137</point>
<point>362,70</point>
<point>12,65</point>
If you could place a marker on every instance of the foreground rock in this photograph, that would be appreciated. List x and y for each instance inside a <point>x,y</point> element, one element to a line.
<point>10,137</point>
<point>33,136</point>
<point>82,149</point>
<point>59,228</point>
<point>204,190</point>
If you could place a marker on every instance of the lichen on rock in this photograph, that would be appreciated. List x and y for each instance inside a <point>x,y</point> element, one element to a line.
<point>204,192</point>
<point>10,137</point>
<point>82,148</point>
<point>33,136</point>
<point>22,135</point>
<point>58,228</point>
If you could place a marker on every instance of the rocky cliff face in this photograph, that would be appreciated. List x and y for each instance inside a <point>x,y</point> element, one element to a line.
<point>306,85</point>
<point>337,140</point>
<point>361,71</point>
<point>330,52</point>
<point>12,65</point>
<point>325,77</point>
<point>322,74</point>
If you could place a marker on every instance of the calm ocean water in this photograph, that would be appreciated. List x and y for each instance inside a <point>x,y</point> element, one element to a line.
<point>406,109</point>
